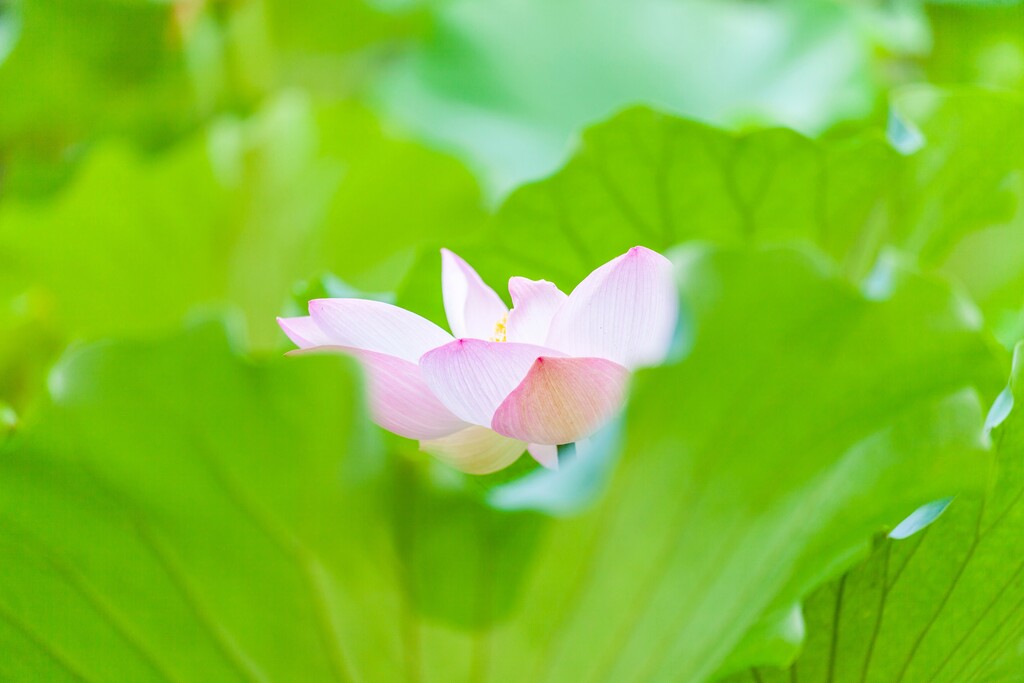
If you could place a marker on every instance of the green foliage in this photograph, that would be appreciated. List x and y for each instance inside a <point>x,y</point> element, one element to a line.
<point>88,64</point>
<point>980,238</point>
<point>982,45</point>
<point>176,506</point>
<point>79,69</point>
<point>652,179</point>
<point>943,605</point>
<point>960,180</point>
<point>236,216</point>
<point>82,71</point>
<point>733,487</point>
<point>125,540</point>
<point>649,178</point>
<point>562,66</point>
<point>188,501</point>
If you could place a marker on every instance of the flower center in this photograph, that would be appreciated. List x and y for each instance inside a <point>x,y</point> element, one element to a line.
<point>499,329</point>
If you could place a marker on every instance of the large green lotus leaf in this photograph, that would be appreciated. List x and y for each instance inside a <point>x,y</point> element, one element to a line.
<point>233,217</point>
<point>509,83</point>
<point>941,605</point>
<point>329,191</point>
<point>189,542</point>
<point>181,514</point>
<point>762,450</point>
<point>653,179</point>
<point>123,223</point>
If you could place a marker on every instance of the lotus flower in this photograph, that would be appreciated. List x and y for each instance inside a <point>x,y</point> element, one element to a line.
<point>551,371</point>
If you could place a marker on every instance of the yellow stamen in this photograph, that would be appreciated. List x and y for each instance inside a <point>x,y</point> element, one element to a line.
<point>499,329</point>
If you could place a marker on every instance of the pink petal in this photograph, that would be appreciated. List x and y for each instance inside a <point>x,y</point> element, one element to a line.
<point>472,377</point>
<point>376,326</point>
<point>534,304</point>
<point>400,401</point>
<point>476,450</point>
<point>624,311</point>
<point>545,454</point>
<point>303,332</point>
<point>473,308</point>
<point>562,400</point>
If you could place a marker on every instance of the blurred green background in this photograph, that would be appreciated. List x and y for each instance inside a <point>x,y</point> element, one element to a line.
<point>839,182</point>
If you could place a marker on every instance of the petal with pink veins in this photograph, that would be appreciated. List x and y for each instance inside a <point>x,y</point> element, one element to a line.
<point>304,332</point>
<point>376,326</point>
<point>472,377</point>
<point>534,304</point>
<point>562,400</point>
<point>624,311</point>
<point>473,308</point>
<point>545,454</point>
<point>400,401</point>
<point>476,450</point>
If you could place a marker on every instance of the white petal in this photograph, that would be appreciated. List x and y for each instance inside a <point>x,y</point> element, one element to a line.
<point>624,311</point>
<point>303,332</point>
<point>472,377</point>
<point>473,308</point>
<point>476,450</point>
<point>376,326</point>
<point>534,304</point>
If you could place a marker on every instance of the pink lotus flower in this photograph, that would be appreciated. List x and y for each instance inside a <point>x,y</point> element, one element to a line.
<point>551,371</point>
